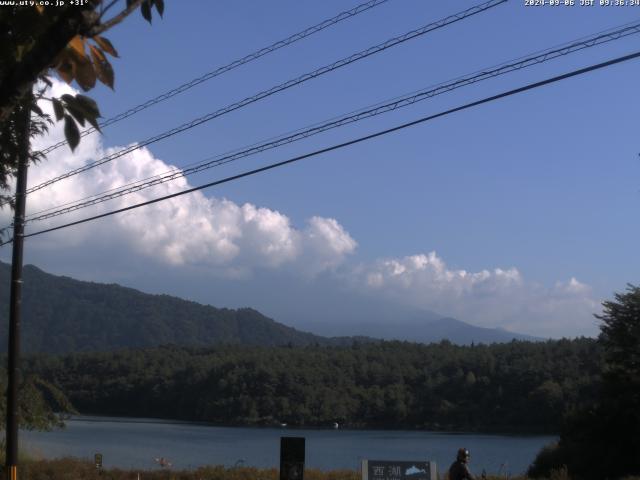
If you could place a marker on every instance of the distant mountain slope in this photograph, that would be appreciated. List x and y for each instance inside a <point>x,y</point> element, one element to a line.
<point>342,311</point>
<point>463,333</point>
<point>420,329</point>
<point>61,314</point>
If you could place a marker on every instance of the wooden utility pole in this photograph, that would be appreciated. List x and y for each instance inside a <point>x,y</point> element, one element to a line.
<point>23,135</point>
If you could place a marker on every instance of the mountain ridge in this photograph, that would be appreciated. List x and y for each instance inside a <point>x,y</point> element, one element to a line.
<point>62,315</point>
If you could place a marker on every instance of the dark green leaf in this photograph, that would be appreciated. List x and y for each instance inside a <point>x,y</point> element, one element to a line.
<point>58,109</point>
<point>94,123</point>
<point>83,108</point>
<point>88,109</point>
<point>71,132</point>
<point>88,105</point>
<point>145,8</point>
<point>36,109</point>
<point>159,6</point>
<point>76,111</point>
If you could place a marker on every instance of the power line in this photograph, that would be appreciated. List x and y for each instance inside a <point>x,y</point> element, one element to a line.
<point>371,111</point>
<point>508,93</point>
<point>230,66</point>
<point>278,88</point>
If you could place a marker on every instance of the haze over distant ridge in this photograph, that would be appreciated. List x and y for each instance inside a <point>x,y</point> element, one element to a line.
<point>65,315</point>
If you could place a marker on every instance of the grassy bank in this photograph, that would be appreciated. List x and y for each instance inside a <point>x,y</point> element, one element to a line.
<point>74,469</point>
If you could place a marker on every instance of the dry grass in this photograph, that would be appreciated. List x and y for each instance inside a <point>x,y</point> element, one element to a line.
<point>74,469</point>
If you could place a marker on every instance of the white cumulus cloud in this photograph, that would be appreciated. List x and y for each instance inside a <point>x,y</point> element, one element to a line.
<point>191,229</point>
<point>491,298</point>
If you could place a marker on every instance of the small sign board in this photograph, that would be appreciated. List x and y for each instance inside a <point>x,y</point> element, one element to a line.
<point>98,460</point>
<point>398,470</point>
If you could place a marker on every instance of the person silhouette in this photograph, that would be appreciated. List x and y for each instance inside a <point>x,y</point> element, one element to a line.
<point>459,469</point>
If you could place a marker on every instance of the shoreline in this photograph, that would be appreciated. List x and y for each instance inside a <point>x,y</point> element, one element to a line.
<point>98,418</point>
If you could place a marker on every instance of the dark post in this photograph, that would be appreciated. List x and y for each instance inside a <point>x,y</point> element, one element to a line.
<point>16,294</point>
<point>291,458</point>
<point>98,460</point>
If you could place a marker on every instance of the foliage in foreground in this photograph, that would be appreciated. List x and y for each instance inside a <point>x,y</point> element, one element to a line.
<point>602,440</point>
<point>42,406</point>
<point>38,39</point>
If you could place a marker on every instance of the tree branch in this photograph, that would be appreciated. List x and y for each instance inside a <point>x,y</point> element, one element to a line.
<point>104,9</point>
<point>98,29</point>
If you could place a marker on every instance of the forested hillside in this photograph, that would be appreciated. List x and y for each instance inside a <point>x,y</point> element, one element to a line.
<point>518,386</point>
<point>62,315</point>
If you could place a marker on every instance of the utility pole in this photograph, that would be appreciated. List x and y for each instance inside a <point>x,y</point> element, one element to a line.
<point>23,126</point>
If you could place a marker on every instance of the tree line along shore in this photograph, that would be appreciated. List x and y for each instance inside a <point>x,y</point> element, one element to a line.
<point>513,387</point>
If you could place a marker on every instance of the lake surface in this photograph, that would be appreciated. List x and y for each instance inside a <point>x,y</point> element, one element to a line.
<point>135,442</point>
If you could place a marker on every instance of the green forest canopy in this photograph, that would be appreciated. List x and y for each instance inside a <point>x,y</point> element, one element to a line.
<point>518,386</point>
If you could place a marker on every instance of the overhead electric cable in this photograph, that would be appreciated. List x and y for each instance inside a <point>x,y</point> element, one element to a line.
<point>278,88</point>
<point>380,108</point>
<point>380,133</point>
<point>230,66</point>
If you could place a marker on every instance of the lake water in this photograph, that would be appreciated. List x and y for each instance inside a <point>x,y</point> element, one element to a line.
<point>134,443</point>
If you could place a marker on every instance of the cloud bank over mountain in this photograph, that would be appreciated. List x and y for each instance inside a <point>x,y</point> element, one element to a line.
<point>233,242</point>
<point>499,295</point>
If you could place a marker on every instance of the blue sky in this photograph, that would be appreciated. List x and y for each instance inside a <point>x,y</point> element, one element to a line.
<point>541,190</point>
